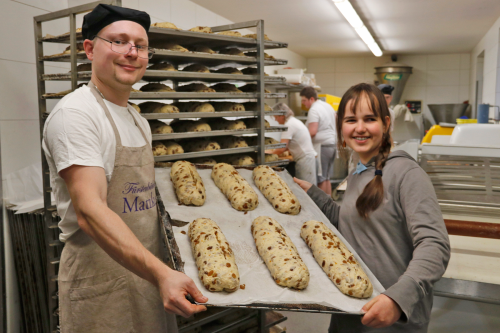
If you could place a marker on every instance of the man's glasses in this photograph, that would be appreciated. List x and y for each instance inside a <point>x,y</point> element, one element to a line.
<point>122,47</point>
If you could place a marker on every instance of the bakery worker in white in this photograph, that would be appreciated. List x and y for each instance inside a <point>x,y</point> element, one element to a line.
<point>321,119</point>
<point>102,174</point>
<point>298,141</point>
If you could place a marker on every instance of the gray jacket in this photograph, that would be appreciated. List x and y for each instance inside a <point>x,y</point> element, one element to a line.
<point>404,242</point>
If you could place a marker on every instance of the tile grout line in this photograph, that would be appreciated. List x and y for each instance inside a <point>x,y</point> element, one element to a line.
<point>22,3</point>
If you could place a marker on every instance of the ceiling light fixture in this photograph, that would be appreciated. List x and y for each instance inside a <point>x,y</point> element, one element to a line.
<point>355,21</point>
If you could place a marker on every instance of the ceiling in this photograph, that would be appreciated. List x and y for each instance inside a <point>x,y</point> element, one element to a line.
<point>315,28</point>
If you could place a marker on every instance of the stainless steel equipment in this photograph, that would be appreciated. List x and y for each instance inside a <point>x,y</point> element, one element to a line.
<point>447,113</point>
<point>396,74</point>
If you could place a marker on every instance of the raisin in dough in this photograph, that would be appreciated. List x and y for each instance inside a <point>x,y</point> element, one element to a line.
<point>236,189</point>
<point>232,142</point>
<point>279,253</point>
<point>195,87</point>
<point>229,106</point>
<point>166,25</point>
<point>226,125</point>
<point>276,190</point>
<point>201,145</point>
<point>336,260</point>
<point>190,126</point>
<point>187,182</point>
<point>215,260</point>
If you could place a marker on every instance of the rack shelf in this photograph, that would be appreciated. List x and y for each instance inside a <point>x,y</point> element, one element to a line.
<point>186,135</point>
<point>158,75</point>
<point>186,95</point>
<point>183,115</point>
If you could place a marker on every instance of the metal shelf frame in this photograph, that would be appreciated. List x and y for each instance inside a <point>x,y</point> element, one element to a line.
<point>187,38</point>
<point>186,135</point>
<point>217,114</point>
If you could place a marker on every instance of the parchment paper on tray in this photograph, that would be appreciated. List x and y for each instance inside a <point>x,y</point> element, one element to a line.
<point>259,285</point>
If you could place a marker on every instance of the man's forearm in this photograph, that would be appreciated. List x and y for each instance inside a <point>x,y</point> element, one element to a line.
<point>109,231</point>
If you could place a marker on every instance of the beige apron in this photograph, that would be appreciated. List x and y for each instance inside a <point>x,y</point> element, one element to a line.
<point>96,294</point>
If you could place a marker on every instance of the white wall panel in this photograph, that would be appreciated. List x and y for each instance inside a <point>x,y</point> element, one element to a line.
<point>464,77</point>
<point>417,62</point>
<point>325,79</point>
<point>417,78</point>
<point>465,61</point>
<point>350,65</point>
<point>48,6</point>
<point>372,62</point>
<point>443,61</point>
<point>349,79</point>
<point>183,14</point>
<point>443,78</point>
<point>205,17</point>
<point>321,65</point>
<point>159,9</point>
<point>441,94</point>
<point>20,144</point>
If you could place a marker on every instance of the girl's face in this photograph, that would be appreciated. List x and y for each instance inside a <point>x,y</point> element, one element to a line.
<point>363,130</point>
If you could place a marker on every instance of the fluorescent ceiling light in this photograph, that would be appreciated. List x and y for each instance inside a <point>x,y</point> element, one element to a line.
<point>355,21</point>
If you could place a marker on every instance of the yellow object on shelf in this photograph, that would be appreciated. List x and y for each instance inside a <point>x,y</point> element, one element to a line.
<point>334,101</point>
<point>466,121</point>
<point>437,130</point>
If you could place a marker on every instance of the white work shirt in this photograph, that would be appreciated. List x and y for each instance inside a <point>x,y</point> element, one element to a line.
<point>323,114</point>
<point>300,144</point>
<point>77,132</point>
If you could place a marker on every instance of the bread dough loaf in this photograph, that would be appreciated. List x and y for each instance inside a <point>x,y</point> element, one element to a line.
<point>240,160</point>
<point>252,71</point>
<point>157,107</point>
<point>201,29</point>
<point>254,54</point>
<point>230,33</point>
<point>160,44</point>
<point>159,127</point>
<point>254,123</point>
<point>271,158</point>
<point>253,106</point>
<point>166,148</point>
<point>166,25</point>
<point>196,68</point>
<point>135,106</point>
<point>195,87</point>
<point>276,190</point>
<point>205,160</point>
<point>163,66</point>
<point>253,140</point>
<point>226,125</point>
<point>83,68</point>
<point>187,182</point>
<point>79,49</point>
<point>336,260</point>
<point>254,36</point>
<point>232,142</point>
<point>202,49</point>
<point>194,145</point>
<point>236,189</point>
<point>195,107</point>
<point>225,87</point>
<point>228,106</point>
<point>156,87</point>
<point>228,70</point>
<point>215,260</point>
<point>190,126</point>
<point>252,87</point>
<point>232,51</point>
<point>279,253</point>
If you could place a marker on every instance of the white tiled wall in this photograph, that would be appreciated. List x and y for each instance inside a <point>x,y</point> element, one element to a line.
<point>443,78</point>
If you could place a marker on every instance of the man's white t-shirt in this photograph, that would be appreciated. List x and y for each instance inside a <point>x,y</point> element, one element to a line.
<point>77,132</point>
<point>300,144</point>
<point>323,114</point>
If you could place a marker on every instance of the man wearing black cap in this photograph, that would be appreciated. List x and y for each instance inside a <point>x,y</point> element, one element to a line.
<point>387,90</point>
<point>102,176</point>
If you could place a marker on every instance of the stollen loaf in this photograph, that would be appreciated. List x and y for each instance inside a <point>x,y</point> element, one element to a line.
<point>157,107</point>
<point>279,253</point>
<point>188,185</point>
<point>159,127</point>
<point>236,189</point>
<point>215,260</point>
<point>276,190</point>
<point>336,260</point>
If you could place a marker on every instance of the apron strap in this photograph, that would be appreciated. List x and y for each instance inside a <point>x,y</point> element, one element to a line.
<point>100,100</point>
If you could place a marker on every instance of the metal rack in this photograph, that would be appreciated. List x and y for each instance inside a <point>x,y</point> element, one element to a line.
<point>53,247</point>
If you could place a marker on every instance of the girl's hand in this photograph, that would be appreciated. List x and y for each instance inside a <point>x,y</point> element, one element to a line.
<point>380,312</point>
<point>302,183</point>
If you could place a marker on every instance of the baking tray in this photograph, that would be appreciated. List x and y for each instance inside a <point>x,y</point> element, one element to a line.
<point>185,37</point>
<point>230,220</point>
<point>185,135</point>
<point>178,76</point>
<point>210,153</point>
<point>180,58</point>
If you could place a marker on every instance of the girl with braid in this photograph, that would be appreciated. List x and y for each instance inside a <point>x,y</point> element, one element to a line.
<point>391,217</point>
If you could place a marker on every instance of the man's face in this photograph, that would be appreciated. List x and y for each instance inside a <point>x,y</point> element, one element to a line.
<point>307,102</point>
<point>388,99</point>
<point>116,70</point>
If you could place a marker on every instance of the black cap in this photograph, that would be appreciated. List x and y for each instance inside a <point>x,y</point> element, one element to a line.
<point>104,15</point>
<point>386,88</point>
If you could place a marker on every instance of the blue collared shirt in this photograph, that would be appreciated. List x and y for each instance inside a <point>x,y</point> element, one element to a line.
<point>360,168</point>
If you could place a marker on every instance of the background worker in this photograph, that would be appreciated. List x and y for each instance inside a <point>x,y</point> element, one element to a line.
<point>321,125</point>
<point>298,141</point>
